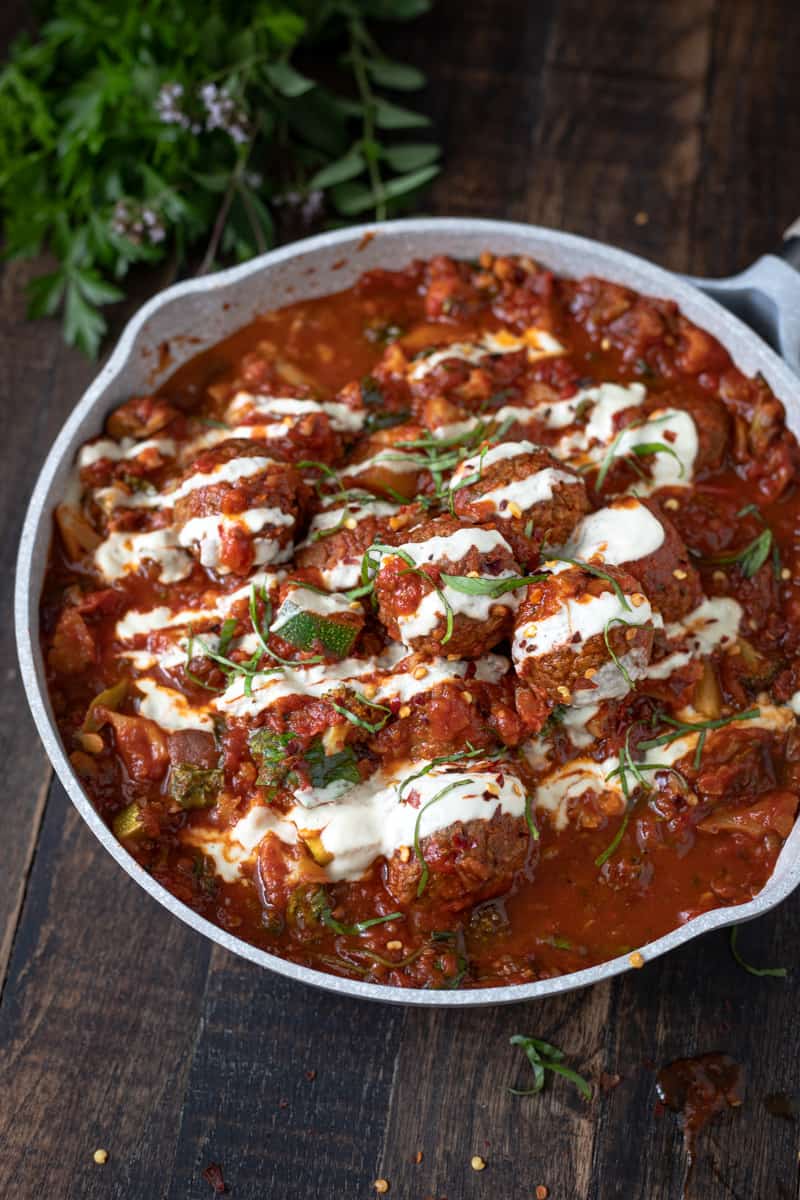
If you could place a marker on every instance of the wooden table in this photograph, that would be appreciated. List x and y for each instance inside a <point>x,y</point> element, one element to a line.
<point>668,128</point>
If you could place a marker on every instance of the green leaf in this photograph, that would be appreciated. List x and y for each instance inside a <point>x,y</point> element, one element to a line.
<point>397,10</point>
<point>45,294</point>
<point>95,289</point>
<point>353,198</point>
<point>83,325</point>
<point>403,184</point>
<point>411,156</point>
<point>287,81</point>
<point>392,116</point>
<point>347,167</point>
<point>398,76</point>
<point>325,768</point>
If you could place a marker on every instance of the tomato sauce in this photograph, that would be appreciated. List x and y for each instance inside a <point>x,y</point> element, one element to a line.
<point>201,560</point>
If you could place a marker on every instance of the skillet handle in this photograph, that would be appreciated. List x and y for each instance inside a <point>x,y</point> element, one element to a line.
<point>790,247</point>
<point>767,296</point>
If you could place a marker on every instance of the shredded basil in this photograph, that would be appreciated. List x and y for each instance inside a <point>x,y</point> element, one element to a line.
<point>543,1057</point>
<point>766,972</point>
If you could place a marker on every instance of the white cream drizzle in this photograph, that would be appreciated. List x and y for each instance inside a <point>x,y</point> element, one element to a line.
<point>538,343</point>
<point>170,709</point>
<point>121,553</point>
<point>625,531</point>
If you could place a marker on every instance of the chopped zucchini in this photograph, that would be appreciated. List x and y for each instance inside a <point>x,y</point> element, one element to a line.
<point>303,629</point>
<point>128,823</point>
<point>195,787</point>
<point>110,698</point>
<point>269,750</point>
<point>320,855</point>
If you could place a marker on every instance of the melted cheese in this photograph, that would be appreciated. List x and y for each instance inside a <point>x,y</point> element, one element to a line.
<point>404,686</point>
<point>291,409</point>
<point>232,849</point>
<point>601,406</point>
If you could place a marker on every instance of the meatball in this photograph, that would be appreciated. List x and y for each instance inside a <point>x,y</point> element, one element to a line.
<point>535,497</point>
<point>338,536</point>
<point>634,535</point>
<point>383,464</point>
<point>236,508</point>
<point>581,637</point>
<point>429,615</point>
<point>669,444</point>
<point>472,835</point>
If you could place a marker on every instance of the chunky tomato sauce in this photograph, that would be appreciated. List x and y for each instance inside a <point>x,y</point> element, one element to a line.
<point>441,632</point>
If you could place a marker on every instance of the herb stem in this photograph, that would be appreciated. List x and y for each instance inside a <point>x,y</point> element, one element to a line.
<point>357,35</point>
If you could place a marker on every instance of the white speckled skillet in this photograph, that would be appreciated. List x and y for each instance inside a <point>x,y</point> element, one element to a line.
<point>208,309</point>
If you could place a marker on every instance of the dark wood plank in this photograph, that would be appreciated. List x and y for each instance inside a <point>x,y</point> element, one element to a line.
<point>451,1101</point>
<point>692,1002</point>
<point>748,186</point>
<point>620,130</point>
<point>97,1025</point>
<point>250,1105</point>
<point>40,381</point>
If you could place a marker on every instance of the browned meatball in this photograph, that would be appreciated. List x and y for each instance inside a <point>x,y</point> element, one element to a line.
<point>430,616</point>
<point>567,628</point>
<point>635,535</point>
<point>237,508</point>
<point>467,862</point>
<point>534,497</point>
<point>382,464</point>
<point>340,533</point>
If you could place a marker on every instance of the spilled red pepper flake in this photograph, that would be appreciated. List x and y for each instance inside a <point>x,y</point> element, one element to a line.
<point>214,1177</point>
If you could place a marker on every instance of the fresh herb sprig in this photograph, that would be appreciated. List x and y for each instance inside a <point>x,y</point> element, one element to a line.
<point>635,769</point>
<point>543,1057</point>
<point>681,729</point>
<point>591,569</point>
<point>639,449</point>
<point>752,557</point>
<point>135,136</point>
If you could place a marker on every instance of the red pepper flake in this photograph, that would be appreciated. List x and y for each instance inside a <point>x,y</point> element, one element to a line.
<point>311,1076</point>
<point>418,1157</point>
<point>609,1082</point>
<point>412,798</point>
<point>283,1104</point>
<point>542,1192</point>
<point>214,1177</point>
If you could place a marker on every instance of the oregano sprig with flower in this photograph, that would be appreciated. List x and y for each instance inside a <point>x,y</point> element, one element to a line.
<point>181,130</point>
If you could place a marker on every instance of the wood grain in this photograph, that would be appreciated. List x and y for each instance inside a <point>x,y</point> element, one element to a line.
<point>122,1028</point>
<point>98,1021</point>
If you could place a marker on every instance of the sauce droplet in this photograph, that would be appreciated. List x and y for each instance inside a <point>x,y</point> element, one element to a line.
<point>699,1088</point>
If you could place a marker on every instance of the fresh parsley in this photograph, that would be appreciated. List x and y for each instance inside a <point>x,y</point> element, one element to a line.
<point>174,128</point>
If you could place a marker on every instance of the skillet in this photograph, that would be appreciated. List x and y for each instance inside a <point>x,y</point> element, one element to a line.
<point>193,315</point>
